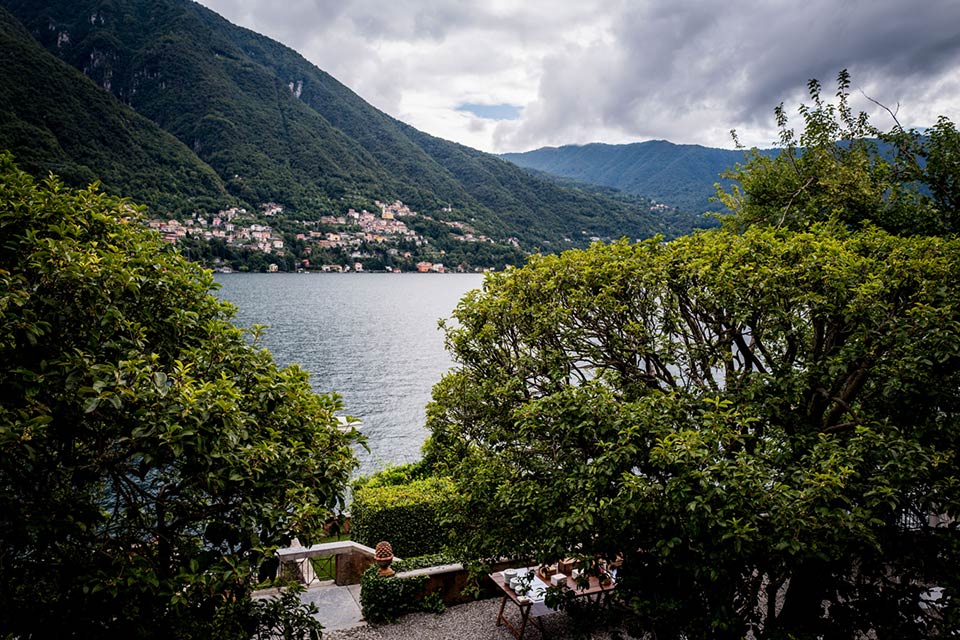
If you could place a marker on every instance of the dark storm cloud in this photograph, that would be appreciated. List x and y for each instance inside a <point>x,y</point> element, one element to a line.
<point>685,70</point>
<point>300,20</point>
<point>681,69</point>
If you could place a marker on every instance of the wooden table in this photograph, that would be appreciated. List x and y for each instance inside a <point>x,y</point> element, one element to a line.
<point>536,609</point>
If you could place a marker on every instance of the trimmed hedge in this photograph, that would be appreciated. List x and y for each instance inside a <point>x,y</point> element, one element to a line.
<point>408,516</point>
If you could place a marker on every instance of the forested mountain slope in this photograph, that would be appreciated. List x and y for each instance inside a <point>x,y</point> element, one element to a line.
<point>276,128</point>
<point>54,119</point>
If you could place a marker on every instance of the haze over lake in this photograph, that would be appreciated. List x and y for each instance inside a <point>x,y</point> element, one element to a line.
<point>372,338</point>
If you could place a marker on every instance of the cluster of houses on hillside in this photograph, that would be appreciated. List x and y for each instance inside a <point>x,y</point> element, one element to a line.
<point>385,227</point>
<point>221,225</point>
<point>346,234</point>
<point>357,227</point>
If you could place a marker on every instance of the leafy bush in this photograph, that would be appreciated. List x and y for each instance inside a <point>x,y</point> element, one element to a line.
<point>763,413</point>
<point>151,458</point>
<point>393,475</point>
<point>409,516</point>
<point>386,599</point>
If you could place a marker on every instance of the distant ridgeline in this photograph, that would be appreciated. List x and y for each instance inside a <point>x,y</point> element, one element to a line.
<point>679,175</point>
<point>166,102</point>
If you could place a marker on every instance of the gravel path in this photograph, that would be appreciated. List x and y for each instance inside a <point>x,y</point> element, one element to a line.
<point>472,620</point>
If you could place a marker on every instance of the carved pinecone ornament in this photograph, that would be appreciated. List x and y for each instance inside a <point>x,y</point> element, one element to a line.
<point>383,550</point>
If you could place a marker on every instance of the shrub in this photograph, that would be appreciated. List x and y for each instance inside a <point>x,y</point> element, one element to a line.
<point>151,458</point>
<point>393,475</point>
<point>409,516</point>
<point>386,599</point>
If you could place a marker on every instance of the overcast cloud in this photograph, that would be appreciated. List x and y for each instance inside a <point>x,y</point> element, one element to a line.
<point>578,71</point>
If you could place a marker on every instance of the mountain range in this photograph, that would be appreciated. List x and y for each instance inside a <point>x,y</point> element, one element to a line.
<point>168,103</point>
<point>680,175</point>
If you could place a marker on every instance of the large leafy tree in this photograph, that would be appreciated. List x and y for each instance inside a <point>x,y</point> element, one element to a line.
<point>762,419</point>
<point>151,458</point>
<point>843,168</point>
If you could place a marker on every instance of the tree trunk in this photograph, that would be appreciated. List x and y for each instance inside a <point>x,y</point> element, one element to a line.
<point>802,612</point>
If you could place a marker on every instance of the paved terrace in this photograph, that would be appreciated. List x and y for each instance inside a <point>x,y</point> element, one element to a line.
<point>338,604</point>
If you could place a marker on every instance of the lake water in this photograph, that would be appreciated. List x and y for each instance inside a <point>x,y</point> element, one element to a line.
<point>372,338</point>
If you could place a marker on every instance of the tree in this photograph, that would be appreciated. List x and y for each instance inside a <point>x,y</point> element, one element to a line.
<point>762,419</point>
<point>845,169</point>
<point>151,459</point>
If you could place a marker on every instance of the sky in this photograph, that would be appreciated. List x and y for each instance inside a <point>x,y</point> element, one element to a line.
<point>514,75</point>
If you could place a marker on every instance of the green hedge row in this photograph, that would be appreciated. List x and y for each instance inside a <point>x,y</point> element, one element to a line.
<point>408,516</point>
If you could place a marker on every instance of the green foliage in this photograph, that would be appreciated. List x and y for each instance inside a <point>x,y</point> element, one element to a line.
<point>408,516</point>
<point>748,415</point>
<point>284,616</point>
<point>151,459</point>
<point>394,475</point>
<point>843,169</point>
<point>386,599</point>
<point>941,171</point>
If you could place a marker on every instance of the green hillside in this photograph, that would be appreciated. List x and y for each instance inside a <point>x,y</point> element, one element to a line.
<point>681,175</point>
<point>276,128</point>
<point>55,119</point>
<point>671,216</point>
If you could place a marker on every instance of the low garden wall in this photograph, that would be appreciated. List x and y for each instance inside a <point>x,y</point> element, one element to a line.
<point>351,558</point>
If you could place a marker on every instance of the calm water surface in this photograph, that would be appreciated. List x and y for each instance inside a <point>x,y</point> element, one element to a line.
<point>372,338</point>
